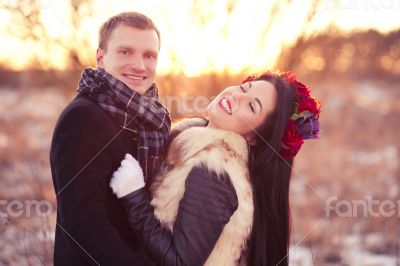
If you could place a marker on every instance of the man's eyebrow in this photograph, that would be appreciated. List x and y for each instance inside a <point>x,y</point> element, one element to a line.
<point>152,52</point>
<point>123,47</point>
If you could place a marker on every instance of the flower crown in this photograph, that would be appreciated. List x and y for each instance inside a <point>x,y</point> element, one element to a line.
<point>303,122</point>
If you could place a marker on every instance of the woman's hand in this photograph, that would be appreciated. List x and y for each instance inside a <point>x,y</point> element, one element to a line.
<point>128,178</point>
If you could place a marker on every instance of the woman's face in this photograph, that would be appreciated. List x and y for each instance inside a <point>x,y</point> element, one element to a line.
<point>243,108</point>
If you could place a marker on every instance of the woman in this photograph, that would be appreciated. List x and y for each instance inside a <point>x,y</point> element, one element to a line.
<point>222,195</point>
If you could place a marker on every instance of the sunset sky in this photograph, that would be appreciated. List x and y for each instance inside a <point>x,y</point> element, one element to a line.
<point>201,36</point>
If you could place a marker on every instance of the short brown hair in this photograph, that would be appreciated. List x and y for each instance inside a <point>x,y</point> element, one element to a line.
<point>133,19</point>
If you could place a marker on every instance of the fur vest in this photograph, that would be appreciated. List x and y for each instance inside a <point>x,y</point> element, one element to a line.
<point>221,152</point>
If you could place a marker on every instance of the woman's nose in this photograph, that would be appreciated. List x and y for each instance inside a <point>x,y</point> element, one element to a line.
<point>237,95</point>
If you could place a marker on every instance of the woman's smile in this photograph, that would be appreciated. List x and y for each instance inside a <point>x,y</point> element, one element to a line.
<point>226,105</point>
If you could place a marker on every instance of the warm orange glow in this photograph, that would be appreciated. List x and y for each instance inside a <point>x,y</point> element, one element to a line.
<point>217,36</point>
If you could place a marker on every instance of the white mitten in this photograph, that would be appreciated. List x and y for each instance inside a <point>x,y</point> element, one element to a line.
<point>128,178</point>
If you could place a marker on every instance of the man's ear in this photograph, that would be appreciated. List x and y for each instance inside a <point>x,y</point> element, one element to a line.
<point>100,58</point>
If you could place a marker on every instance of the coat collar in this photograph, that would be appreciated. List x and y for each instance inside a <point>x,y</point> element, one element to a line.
<point>194,137</point>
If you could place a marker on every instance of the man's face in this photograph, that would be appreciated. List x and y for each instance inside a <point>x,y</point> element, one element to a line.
<point>131,57</point>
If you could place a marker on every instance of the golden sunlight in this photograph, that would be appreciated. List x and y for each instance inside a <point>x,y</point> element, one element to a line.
<point>197,37</point>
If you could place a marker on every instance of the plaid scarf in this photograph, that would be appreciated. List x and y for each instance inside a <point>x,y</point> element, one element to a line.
<point>142,117</point>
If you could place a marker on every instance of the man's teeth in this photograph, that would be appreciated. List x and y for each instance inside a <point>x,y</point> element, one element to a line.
<point>134,77</point>
<point>226,106</point>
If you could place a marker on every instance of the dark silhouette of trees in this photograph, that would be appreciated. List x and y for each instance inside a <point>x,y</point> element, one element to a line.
<point>368,54</point>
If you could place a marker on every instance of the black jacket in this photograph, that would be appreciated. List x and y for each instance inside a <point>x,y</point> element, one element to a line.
<point>92,227</point>
<point>207,205</point>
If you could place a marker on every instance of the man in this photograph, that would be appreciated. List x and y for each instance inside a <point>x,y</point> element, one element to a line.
<point>116,112</point>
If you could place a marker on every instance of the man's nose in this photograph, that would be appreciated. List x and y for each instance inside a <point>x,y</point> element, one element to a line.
<point>137,63</point>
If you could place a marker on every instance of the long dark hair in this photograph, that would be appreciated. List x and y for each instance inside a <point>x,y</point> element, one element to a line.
<point>270,175</point>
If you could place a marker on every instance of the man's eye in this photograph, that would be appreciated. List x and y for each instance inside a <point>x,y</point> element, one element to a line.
<point>124,52</point>
<point>151,56</point>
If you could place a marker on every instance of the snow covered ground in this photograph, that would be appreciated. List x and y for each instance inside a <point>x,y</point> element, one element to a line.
<point>357,156</point>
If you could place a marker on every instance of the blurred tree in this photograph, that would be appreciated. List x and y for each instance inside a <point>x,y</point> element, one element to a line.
<point>27,24</point>
<point>289,55</point>
<point>368,54</point>
<point>362,53</point>
<point>203,13</point>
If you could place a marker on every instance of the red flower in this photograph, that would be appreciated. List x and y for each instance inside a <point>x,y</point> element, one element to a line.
<point>291,141</point>
<point>249,78</point>
<point>302,89</point>
<point>308,104</point>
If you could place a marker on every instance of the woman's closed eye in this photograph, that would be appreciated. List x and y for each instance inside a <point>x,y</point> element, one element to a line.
<point>245,91</point>
<point>252,108</point>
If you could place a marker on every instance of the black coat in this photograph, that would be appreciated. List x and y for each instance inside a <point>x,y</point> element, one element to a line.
<point>92,227</point>
<point>206,207</point>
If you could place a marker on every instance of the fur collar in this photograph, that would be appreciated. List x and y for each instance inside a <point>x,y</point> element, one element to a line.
<point>194,137</point>
<point>221,152</point>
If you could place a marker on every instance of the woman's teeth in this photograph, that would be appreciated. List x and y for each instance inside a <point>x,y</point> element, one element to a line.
<point>226,106</point>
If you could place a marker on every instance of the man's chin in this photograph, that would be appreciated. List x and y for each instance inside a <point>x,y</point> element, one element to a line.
<point>141,89</point>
